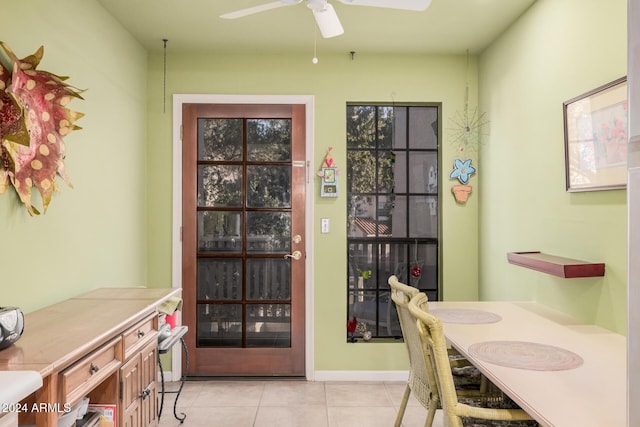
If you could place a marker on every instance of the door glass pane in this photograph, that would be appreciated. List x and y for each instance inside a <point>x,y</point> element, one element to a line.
<point>269,186</point>
<point>268,325</point>
<point>219,279</point>
<point>219,185</point>
<point>219,325</point>
<point>244,216</point>
<point>268,232</point>
<point>219,231</point>
<point>219,139</point>
<point>268,140</point>
<point>268,279</point>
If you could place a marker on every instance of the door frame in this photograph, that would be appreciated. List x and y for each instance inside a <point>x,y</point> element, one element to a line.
<point>176,247</point>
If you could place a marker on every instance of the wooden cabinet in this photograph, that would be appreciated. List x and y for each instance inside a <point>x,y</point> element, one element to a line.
<point>149,376</point>
<point>103,345</point>
<point>88,373</point>
<point>138,376</point>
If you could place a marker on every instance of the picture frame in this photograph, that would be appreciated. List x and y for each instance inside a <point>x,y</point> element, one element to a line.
<point>596,138</point>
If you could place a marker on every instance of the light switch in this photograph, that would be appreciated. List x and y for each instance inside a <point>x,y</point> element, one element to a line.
<point>324,222</point>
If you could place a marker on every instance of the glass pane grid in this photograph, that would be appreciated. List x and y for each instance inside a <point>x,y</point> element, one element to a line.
<point>392,208</point>
<point>244,224</point>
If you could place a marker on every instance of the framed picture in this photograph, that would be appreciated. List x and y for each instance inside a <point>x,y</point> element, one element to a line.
<point>595,138</point>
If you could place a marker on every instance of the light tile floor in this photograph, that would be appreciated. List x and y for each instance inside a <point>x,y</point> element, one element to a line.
<point>291,403</point>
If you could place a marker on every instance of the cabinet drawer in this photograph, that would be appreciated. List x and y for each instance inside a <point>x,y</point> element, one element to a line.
<point>139,335</point>
<point>84,375</point>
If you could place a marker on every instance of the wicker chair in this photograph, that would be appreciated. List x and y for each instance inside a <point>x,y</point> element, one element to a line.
<point>421,374</point>
<point>434,351</point>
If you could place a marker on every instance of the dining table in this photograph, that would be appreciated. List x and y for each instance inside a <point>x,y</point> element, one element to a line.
<point>562,371</point>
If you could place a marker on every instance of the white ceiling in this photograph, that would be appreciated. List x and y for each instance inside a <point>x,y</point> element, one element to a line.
<point>447,26</point>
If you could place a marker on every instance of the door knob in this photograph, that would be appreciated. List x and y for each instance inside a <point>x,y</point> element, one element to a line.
<point>295,255</point>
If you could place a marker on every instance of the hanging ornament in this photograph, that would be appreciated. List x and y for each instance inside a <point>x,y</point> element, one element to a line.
<point>467,125</point>
<point>416,270</point>
<point>329,175</point>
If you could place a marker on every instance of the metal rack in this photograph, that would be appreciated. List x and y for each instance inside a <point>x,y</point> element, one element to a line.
<point>177,334</point>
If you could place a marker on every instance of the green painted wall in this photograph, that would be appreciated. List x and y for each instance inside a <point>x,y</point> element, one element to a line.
<point>334,81</point>
<point>94,234</point>
<point>114,227</point>
<point>558,50</point>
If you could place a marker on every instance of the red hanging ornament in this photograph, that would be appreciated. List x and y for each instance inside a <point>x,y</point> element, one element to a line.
<point>416,271</point>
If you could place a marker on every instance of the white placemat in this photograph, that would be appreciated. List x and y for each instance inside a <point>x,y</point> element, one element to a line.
<point>465,315</point>
<point>526,355</point>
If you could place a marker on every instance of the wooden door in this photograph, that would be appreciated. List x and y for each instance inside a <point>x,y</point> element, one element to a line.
<point>148,381</point>
<point>243,239</point>
<point>131,388</point>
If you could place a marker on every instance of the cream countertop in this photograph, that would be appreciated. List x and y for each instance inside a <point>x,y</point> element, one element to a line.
<point>16,385</point>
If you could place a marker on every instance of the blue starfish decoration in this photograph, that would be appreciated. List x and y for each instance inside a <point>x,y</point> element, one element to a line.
<point>462,170</point>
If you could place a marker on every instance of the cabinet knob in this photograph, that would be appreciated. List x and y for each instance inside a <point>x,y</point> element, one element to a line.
<point>93,369</point>
<point>145,393</point>
<point>140,334</point>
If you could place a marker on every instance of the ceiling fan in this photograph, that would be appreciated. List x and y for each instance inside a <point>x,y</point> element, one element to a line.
<point>326,17</point>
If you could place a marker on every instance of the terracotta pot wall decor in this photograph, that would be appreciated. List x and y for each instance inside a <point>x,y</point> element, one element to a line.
<point>462,171</point>
<point>461,192</point>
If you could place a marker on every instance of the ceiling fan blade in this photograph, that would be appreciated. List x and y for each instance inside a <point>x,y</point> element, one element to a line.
<point>328,21</point>
<point>260,8</point>
<point>391,4</point>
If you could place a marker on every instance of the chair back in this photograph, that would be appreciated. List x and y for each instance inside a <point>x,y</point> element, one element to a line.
<point>434,350</point>
<point>421,374</point>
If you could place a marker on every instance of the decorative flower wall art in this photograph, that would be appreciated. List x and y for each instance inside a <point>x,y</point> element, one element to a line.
<point>462,170</point>
<point>33,123</point>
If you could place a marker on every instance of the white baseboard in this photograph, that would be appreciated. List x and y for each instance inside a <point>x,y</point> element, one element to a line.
<point>361,375</point>
<point>168,377</point>
<point>336,376</point>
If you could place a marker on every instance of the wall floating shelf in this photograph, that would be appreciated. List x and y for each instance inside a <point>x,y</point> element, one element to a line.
<point>555,265</point>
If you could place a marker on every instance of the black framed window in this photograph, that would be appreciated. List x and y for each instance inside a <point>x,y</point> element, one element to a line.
<point>393,214</point>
